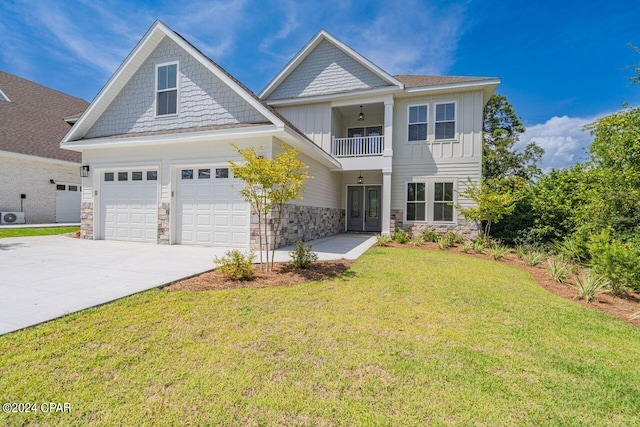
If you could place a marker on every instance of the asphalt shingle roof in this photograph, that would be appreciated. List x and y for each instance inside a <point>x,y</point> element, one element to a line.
<point>410,80</point>
<point>32,122</point>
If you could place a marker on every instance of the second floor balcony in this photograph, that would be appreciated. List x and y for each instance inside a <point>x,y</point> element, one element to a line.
<point>358,146</point>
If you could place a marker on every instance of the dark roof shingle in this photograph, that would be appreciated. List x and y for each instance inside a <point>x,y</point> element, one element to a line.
<point>32,122</point>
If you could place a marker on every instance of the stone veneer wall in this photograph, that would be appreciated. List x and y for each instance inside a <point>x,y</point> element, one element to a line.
<point>86,220</point>
<point>467,228</point>
<point>302,223</point>
<point>163,223</point>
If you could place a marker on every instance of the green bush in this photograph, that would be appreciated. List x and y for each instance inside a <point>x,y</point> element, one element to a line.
<point>444,243</point>
<point>498,252</point>
<point>236,265</point>
<point>467,246</point>
<point>302,255</point>
<point>383,240</point>
<point>430,235</point>
<point>573,249</point>
<point>401,236</point>
<point>479,246</point>
<point>417,240</point>
<point>616,261</point>
<point>534,258</point>
<point>590,284</point>
<point>522,251</point>
<point>559,269</point>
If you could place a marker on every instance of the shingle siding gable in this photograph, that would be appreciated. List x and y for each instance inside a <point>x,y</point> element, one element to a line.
<point>324,71</point>
<point>204,100</point>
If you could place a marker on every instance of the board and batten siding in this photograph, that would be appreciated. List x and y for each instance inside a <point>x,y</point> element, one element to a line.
<point>450,160</point>
<point>314,120</point>
<point>323,191</point>
<point>203,99</point>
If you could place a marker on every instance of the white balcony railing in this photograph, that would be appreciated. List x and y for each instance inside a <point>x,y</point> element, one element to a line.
<point>358,146</point>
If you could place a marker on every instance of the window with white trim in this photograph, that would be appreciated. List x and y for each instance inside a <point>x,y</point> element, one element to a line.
<point>416,201</point>
<point>418,122</point>
<point>443,201</point>
<point>445,121</point>
<point>167,89</point>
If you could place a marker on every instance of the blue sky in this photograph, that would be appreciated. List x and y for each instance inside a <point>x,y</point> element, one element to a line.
<point>559,61</point>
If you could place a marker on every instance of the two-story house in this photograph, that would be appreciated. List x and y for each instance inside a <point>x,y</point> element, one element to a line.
<point>384,151</point>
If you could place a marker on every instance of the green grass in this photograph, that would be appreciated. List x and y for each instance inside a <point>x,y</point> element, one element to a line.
<point>41,231</point>
<point>408,337</point>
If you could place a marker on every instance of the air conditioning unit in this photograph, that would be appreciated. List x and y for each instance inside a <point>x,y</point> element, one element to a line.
<point>12,218</point>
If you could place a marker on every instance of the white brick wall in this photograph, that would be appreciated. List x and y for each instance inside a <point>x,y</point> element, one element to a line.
<point>204,100</point>
<point>326,70</point>
<point>31,177</point>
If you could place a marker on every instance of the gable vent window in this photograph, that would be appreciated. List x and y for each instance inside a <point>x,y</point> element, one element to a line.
<point>167,89</point>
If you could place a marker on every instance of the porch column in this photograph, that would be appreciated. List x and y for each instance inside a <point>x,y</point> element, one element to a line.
<point>386,202</point>
<point>388,127</point>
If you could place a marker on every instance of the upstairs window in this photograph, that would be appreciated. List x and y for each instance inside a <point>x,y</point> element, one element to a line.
<point>418,123</point>
<point>167,89</point>
<point>445,121</point>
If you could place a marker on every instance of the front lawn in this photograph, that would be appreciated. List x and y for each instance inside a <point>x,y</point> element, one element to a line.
<point>406,337</point>
<point>36,231</point>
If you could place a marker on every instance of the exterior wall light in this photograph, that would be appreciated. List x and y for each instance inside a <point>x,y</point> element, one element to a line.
<point>84,171</point>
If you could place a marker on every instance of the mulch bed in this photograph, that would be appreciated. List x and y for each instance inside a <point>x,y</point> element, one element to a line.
<point>621,307</point>
<point>283,274</point>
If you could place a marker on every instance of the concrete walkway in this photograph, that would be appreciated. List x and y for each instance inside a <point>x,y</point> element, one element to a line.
<point>45,277</point>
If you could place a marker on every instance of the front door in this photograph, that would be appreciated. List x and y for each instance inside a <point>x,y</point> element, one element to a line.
<point>363,208</point>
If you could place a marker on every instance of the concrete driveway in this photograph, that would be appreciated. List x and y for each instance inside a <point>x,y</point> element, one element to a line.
<point>45,277</point>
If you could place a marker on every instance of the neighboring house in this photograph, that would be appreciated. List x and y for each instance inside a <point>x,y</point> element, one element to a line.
<point>384,151</point>
<point>38,180</point>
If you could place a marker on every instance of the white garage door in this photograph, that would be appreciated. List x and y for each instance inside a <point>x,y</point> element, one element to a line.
<point>210,209</point>
<point>67,203</point>
<point>130,205</point>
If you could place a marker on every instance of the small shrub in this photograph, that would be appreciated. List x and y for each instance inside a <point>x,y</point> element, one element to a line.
<point>534,258</point>
<point>590,284</point>
<point>479,246</point>
<point>401,236</point>
<point>498,252</point>
<point>430,235</point>
<point>302,256</point>
<point>467,246</point>
<point>452,237</point>
<point>417,240</point>
<point>444,243</point>
<point>383,240</point>
<point>522,251</point>
<point>572,250</point>
<point>617,262</point>
<point>236,265</point>
<point>559,269</point>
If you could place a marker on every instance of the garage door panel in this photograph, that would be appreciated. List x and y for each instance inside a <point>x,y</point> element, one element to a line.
<point>211,212</point>
<point>130,209</point>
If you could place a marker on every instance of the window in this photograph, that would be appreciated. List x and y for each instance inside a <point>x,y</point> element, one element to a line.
<point>123,176</point>
<point>187,173</point>
<point>167,89</point>
<point>73,188</point>
<point>416,201</point>
<point>445,121</point>
<point>204,173</point>
<point>136,176</point>
<point>222,173</point>
<point>418,123</point>
<point>108,176</point>
<point>152,175</point>
<point>443,201</point>
<point>61,187</point>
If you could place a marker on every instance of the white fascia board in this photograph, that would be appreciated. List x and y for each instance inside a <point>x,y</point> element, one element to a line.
<point>336,96</point>
<point>115,82</point>
<point>307,147</point>
<point>308,48</point>
<point>137,141</point>
<point>454,86</point>
<point>37,158</point>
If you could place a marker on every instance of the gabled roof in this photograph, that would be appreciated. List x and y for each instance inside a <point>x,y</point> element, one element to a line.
<point>136,58</point>
<point>321,36</point>
<point>32,121</point>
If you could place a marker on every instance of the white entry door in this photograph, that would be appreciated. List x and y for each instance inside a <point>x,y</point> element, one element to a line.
<point>129,205</point>
<point>211,211</point>
<point>67,203</point>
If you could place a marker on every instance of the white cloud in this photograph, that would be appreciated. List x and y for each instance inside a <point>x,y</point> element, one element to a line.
<point>563,140</point>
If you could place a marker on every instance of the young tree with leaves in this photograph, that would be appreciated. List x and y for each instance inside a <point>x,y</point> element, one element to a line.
<point>491,204</point>
<point>270,183</point>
